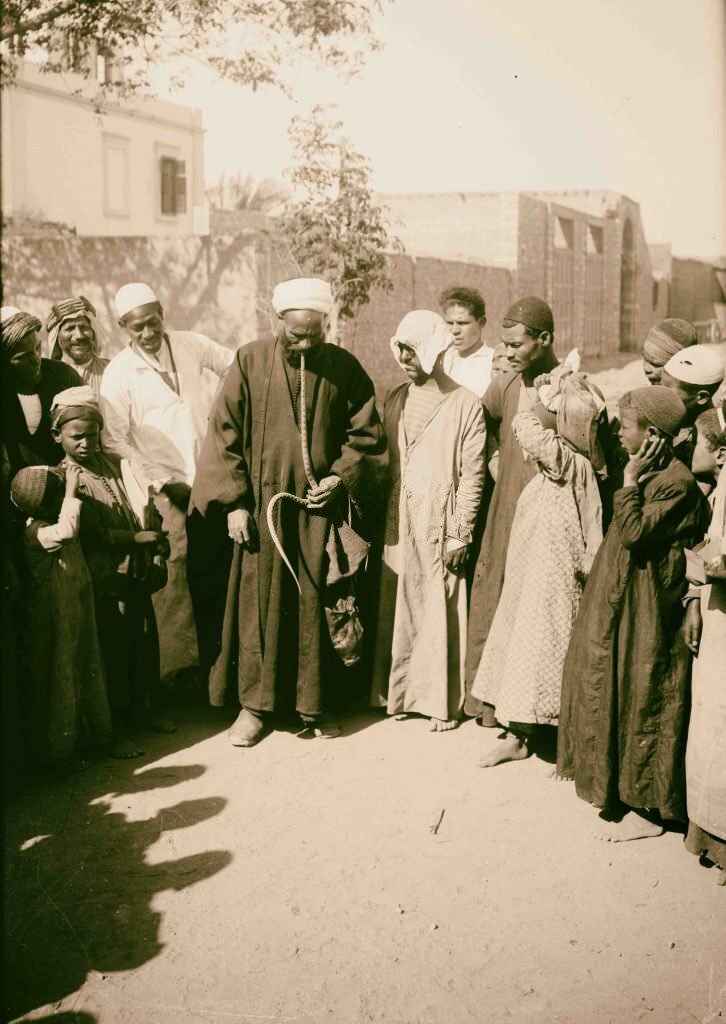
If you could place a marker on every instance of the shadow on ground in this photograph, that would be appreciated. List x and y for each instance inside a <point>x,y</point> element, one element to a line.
<point>78,888</point>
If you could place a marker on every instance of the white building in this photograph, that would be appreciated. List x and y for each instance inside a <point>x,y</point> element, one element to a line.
<point>136,169</point>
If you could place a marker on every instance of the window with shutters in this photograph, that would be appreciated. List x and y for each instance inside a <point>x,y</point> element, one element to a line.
<point>173,185</point>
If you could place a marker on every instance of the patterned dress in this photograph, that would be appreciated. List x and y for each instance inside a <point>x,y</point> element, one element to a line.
<point>555,533</point>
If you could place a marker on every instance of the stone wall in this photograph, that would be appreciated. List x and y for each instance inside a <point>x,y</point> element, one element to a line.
<point>205,284</point>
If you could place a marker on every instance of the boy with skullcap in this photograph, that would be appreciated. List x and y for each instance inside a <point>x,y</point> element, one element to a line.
<point>663,341</point>
<point>695,374</point>
<point>625,694</point>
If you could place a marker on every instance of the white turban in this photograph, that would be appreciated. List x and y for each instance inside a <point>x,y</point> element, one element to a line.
<point>7,311</point>
<point>697,364</point>
<point>303,293</point>
<point>131,296</point>
<point>426,333</point>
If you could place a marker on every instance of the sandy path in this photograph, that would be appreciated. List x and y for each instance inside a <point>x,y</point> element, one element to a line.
<point>300,881</point>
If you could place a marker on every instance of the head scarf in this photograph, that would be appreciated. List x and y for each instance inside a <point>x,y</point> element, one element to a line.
<point>75,404</point>
<point>660,406</point>
<point>426,333</point>
<point>61,312</point>
<point>697,364</point>
<point>131,296</point>
<point>579,416</point>
<point>534,313</point>
<point>14,327</point>
<point>667,338</point>
<point>32,487</point>
<point>303,293</point>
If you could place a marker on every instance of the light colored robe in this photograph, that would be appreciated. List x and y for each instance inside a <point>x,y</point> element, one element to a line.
<point>556,532</point>
<point>706,750</point>
<point>436,487</point>
<point>160,432</point>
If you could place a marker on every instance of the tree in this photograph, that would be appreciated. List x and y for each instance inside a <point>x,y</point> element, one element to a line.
<point>333,226</point>
<point>268,38</point>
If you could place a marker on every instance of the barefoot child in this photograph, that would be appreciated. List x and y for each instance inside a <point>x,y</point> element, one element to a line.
<point>706,636</point>
<point>119,555</point>
<point>437,439</point>
<point>625,694</point>
<point>66,686</point>
<point>556,531</point>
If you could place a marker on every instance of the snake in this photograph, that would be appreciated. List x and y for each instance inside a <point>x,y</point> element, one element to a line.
<point>308,466</point>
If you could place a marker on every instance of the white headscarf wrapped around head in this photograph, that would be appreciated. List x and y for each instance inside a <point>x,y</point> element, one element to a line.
<point>303,293</point>
<point>426,333</point>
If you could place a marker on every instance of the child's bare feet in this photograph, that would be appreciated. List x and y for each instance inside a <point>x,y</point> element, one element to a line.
<point>123,748</point>
<point>632,826</point>
<point>443,724</point>
<point>509,749</point>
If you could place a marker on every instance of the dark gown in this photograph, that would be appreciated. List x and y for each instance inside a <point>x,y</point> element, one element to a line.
<point>626,682</point>
<point>38,449</point>
<point>251,452</point>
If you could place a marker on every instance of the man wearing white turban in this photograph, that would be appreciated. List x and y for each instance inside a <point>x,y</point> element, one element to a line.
<point>437,442</point>
<point>155,398</point>
<point>281,652</point>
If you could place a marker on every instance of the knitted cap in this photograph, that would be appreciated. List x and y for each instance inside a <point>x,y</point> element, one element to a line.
<point>660,406</point>
<point>533,313</point>
<point>33,486</point>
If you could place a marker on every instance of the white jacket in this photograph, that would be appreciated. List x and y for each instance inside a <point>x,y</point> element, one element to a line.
<point>146,422</point>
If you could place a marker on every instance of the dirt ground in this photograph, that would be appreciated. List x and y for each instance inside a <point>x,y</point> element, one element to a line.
<point>306,881</point>
<point>302,881</point>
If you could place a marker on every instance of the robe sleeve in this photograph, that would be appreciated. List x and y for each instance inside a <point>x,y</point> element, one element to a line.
<point>543,445</point>
<point>213,356</point>
<point>642,524</point>
<point>363,458</point>
<point>223,474</point>
<point>471,477</point>
<point>53,537</point>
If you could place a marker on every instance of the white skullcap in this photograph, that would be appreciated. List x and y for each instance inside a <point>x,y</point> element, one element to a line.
<point>7,311</point>
<point>131,296</point>
<point>697,364</point>
<point>426,333</point>
<point>303,293</point>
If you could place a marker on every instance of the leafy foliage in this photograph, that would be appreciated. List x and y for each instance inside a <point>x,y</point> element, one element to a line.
<point>333,225</point>
<point>269,38</point>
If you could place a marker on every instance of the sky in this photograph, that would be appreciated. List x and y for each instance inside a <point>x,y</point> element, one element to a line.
<point>502,95</point>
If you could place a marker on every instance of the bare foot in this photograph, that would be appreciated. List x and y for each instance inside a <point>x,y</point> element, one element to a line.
<point>510,749</point>
<point>632,826</point>
<point>123,748</point>
<point>402,716</point>
<point>720,876</point>
<point>443,724</point>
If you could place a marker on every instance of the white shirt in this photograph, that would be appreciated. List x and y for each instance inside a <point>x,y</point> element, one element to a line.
<point>32,411</point>
<point>145,421</point>
<point>470,371</point>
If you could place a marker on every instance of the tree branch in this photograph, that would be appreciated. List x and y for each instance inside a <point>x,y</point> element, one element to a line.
<point>19,28</point>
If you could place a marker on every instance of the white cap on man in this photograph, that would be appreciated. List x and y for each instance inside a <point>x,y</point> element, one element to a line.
<point>131,296</point>
<point>303,293</point>
<point>698,364</point>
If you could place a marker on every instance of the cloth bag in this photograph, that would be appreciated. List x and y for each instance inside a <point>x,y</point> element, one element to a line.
<point>347,552</point>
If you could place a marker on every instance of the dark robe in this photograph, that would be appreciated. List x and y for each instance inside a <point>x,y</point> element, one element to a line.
<point>252,451</point>
<point>625,689</point>
<point>38,449</point>
<point>501,404</point>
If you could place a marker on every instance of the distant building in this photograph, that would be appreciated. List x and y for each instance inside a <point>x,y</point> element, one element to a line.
<point>583,251</point>
<point>137,169</point>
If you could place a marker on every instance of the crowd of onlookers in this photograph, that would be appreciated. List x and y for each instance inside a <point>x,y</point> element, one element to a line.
<point>512,552</point>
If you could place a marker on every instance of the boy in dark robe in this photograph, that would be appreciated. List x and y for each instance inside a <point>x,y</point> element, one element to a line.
<point>625,689</point>
<point>253,451</point>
